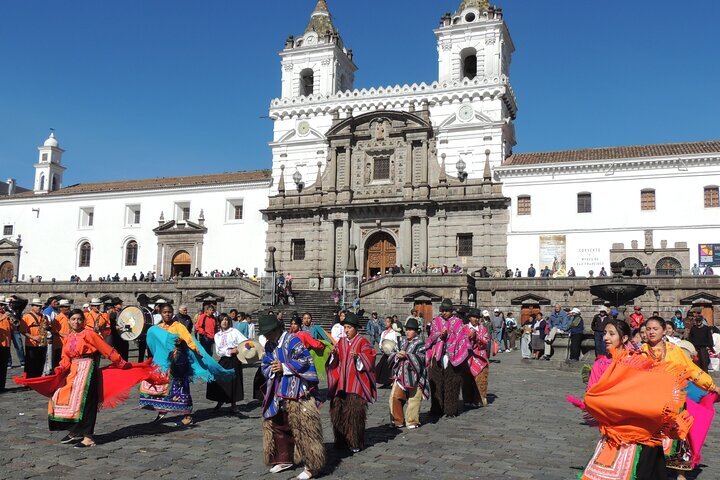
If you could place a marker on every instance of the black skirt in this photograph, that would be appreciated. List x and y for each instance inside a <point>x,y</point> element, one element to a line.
<point>86,425</point>
<point>383,371</point>
<point>229,391</point>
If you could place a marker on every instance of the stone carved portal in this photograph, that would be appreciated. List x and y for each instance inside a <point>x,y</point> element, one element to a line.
<point>181,264</point>
<point>380,254</point>
<point>7,270</point>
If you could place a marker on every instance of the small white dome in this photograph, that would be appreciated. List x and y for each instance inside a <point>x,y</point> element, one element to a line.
<point>51,141</point>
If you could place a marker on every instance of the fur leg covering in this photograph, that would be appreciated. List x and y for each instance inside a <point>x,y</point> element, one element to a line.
<point>349,414</point>
<point>268,441</point>
<point>437,400</point>
<point>304,419</point>
<point>452,382</point>
<point>482,382</point>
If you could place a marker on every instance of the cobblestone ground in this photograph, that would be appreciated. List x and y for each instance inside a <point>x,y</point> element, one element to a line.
<point>527,432</point>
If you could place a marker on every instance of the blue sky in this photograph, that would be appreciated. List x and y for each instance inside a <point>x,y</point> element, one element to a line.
<point>145,88</point>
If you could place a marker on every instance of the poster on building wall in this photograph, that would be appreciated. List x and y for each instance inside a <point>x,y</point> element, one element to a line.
<point>709,254</point>
<point>553,254</point>
<point>587,258</point>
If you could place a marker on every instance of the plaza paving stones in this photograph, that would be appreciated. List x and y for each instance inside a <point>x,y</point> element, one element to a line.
<point>529,431</point>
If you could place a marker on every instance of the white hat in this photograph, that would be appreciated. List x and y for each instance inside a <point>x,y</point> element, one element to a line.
<point>603,308</point>
<point>96,301</point>
<point>3,301</point>
<point>688,348</point>
<point>36,301</point>
<point>64,303</point>
<point>160,301</point>
<point>486,313</point>
<point>575,310</point>
<point>496,310</point>
<point>86,305</point>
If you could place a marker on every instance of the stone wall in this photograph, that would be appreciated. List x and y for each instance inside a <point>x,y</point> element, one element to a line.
<point>238,293</point>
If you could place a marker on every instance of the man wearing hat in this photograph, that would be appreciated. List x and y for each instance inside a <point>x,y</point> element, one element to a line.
<point>95,320</point>
<point>597,325</point>
<point>636,318</point>
<point>35,327</point>
<point>351,385</point>
<point>475,382</point>
<point>410,374</point>
<point>14,310</point>
<point>447,351</point>
<point>6,329</point>
<point>119,343</point>
<point>577,331</point>
<point>291,419</point>
<point>60,327</point>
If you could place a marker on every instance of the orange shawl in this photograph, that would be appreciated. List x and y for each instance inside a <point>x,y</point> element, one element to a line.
<point>638,400</point>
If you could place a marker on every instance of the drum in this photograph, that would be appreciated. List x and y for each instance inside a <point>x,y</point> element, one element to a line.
<point>388,347</point>
<point>133,322</point>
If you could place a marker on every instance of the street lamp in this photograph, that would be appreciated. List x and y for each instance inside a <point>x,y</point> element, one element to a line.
<point>461,166</point>
<point>297,178</point>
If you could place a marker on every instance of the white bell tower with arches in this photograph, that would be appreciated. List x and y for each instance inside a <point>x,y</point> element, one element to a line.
<point>49,169</point>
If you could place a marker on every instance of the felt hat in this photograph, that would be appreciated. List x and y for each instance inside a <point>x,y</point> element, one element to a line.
<point>116,301</point>
<point>36,302</point>
<point>95,302</point>
<point>412,324</point>
<point>446,305</point>
<point>351,319</point>
<point>603,308</point>
<point>64,303</point>
<point>474,312</point>
<point>268,323</point>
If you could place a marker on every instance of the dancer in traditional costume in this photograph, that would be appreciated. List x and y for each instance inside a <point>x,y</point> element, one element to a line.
<point>680,456</point>
<point>475,384</point>
<point>389,340</point>
<point>410,378</point>
<point>351,385</point>
<point>447,351</point>
<point>78,388</point>
<point>228,342</point>
<point>178,356</point>
<point>291,419</point>
<point>35,326</point>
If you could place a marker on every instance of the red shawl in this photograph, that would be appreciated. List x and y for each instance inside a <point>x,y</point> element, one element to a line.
<point>114,384</point>
<point>343,372</point>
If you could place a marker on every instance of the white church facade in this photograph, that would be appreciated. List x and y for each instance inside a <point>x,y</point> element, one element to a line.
<point>409,174</point>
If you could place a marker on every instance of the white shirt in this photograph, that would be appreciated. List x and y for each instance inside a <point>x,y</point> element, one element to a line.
<point>226,340</point>
<point>337,331</point>
<point>251,331</point>
<point>389,335</point>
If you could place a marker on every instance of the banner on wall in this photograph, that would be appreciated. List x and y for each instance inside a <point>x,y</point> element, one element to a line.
<point>553,254</point>
<point>709,254</point>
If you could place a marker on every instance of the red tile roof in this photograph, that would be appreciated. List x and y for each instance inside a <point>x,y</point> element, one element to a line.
<point>611,153</point>
<point>158,183</point>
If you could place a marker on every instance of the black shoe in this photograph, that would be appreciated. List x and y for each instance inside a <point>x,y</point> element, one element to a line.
<point>70,439</point>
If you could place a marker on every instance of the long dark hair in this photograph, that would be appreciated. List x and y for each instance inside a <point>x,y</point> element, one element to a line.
<point>622,328</point>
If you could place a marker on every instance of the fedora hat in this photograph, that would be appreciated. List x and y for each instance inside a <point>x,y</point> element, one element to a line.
<point>116,301</point>
<point>474,312</point>
<point>96,302</point>
<point>3,301</point>
<point>446,305</point>
<point>351,319</point>
<point>36,302</point>
<point>412,324</point>
<point>268,323</point>
<point>64,303</point>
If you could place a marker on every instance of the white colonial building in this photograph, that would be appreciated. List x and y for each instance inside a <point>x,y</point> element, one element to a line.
<point>418,173</point>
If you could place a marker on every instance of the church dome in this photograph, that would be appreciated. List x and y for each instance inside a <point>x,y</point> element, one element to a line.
<point>51,141</point>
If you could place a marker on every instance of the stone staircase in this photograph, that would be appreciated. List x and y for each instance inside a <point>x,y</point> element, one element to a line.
<point>318,303</point>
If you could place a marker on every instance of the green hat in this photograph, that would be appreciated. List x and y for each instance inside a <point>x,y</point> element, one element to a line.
<point>351,319</point>
<point>474,312</point>
<point>446,305</point>
<point>412,324</point>
<point>268,323</point>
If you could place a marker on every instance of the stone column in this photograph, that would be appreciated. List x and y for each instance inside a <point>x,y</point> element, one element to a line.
<point>333,170</point>
<point>423,241</point>
<point>409,165</point>
<point>345,238</point>
<point>405,257</point>
<point>348,167</point>
<point>424,162</point>
<point>330,247</point>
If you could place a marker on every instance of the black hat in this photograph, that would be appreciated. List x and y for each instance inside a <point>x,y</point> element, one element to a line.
<point>446,305</point>
<point>116,301</point>
<point>474,312</point>
<point>351,319</point>
<point>412,324</point>
<point>268,323</point>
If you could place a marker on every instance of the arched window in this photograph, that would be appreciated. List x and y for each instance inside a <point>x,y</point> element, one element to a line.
<point>668,266</point>
<point>468,59</point>
<point>631,265</point>
<point>42,182</point>
<point>55,183</point>
<point>307,82</point>
<point>84,260</point>
<point>131,253</point>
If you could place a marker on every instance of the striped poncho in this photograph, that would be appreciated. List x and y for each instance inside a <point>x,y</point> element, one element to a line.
<point>456,346</point>
<point>352,375</point>
<point>411,372</point>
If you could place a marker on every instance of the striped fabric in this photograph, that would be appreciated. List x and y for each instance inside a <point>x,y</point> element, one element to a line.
<point>411,372</point>
<point>344,374</point>
<point>478,358</point>
<point>456,346</point>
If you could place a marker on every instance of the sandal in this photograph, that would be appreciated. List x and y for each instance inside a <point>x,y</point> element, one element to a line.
<point>82,445</point>
<point>159,417</point>
<point>70,439</point>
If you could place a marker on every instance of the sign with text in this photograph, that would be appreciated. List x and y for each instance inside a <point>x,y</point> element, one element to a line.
<point>709,254</point>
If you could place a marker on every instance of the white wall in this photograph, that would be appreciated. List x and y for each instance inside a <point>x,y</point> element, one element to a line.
<point>51,238</point>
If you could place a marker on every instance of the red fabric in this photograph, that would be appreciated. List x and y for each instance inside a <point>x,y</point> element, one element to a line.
<point>636,319</point>
<point>206,326</point>
<point>343,374</point>
<point>115,382</point>
<point>309,342</point>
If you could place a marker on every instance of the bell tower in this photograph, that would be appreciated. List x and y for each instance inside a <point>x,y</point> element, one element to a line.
<point>317,62</point>
<point>474,42</point>
<point>49,170</point>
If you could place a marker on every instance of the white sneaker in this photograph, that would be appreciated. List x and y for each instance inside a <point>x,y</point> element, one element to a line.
<point>509,350</point>
<point>304,475</point>
<point>281,467</point>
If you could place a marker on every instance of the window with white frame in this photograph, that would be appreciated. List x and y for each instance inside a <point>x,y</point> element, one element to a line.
<point>87,217</point>
<point>132,215</point>
<point>235,210</point>
<point>182,211</point>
